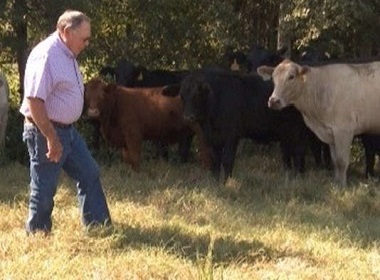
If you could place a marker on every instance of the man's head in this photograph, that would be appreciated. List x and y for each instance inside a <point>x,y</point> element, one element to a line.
<point>74,29</point>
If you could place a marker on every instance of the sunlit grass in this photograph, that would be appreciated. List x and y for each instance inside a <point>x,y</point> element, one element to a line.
<point>173,221</point>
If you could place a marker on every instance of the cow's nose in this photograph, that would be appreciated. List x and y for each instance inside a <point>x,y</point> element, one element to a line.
<point>93,112</point>
<point>274,103</point>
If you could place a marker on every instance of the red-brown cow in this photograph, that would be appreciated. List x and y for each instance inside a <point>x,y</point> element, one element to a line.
<point>128,116</point>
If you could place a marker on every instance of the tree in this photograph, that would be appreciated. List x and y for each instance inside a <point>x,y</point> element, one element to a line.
<point>345,28</point>
<point>26,22</point>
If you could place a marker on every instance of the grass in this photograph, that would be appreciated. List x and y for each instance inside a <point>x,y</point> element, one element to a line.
<point>173,221</point>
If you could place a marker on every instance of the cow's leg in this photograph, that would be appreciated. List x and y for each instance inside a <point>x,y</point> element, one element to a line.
<point>216,160</point>
<point>326,156</point>
<point>162,150</point>
<point>204,150</point>
<point>127,159</point>
<point>96,134</point>
<point>369,162</point>
<point>132,157</point>
<point>370,153</point>
<point>340,153</point>
<point>3,123</point>
<point>132,152</point>
<point>300,155</point>
<point>185,146</point>
<point>228,159</point>
<point>316,149</point>
<point>286,152</point>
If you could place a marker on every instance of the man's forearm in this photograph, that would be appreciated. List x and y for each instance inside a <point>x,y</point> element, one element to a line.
<point>40,117</point>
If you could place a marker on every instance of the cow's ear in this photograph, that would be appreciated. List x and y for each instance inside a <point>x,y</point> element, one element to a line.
<point>304,69</point>
<point>171,90</point>
<point>265,72</point>
<point>109,88</point>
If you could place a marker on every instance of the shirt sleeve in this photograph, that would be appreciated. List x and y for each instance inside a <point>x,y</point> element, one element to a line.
<point>38,80</point>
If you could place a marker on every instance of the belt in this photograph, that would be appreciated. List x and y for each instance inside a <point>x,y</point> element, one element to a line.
<point>54,123</point>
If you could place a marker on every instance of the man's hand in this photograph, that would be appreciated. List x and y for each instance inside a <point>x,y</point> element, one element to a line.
<point>54,149</point>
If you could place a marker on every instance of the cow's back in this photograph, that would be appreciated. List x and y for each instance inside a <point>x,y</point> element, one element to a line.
<point>148,111</point>
<point>344,95</point>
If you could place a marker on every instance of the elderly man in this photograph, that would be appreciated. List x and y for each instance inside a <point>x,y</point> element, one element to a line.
<point>53,101</point>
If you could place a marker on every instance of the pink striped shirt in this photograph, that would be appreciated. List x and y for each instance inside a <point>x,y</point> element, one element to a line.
<point>52,74</point>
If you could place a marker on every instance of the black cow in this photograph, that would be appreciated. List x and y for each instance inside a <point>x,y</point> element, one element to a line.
<point>313,56</point>
<point>231,106</point>
<point>259,55</point>
<point>107,72</point>
<point>130,75</point>
<point>236,60</point>
<point>371,144</point>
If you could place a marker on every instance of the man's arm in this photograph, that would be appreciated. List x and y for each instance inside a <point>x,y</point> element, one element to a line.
<point>40,118</point>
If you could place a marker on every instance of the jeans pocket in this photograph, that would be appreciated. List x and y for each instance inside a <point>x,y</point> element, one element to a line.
<point>29,138</point>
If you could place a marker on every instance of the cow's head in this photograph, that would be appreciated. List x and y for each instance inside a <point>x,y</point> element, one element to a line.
<point>194,93</point>
<point>258,56</point>
<point>288,78</point>
<point>127,74</point>
<point>93,97</point>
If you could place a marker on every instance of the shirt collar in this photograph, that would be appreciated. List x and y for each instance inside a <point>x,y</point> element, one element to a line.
<point>62,45</point>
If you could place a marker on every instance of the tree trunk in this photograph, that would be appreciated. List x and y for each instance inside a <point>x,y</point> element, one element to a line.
<point>21,31</point>
<point>283,38</point>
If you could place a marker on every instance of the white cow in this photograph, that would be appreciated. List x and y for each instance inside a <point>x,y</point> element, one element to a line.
<point>4,92</point>
<point>337,101</point>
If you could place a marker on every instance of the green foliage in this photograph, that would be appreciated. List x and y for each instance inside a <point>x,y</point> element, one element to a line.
<point>14,149</point>
<point>163,33</point>
<point>336,26</point>
<point>11,74</point>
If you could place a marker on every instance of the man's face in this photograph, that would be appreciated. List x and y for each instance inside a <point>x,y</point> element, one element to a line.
<point>78,38</point>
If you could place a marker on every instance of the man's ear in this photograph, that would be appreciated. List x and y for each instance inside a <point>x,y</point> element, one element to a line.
<point>265,72</point>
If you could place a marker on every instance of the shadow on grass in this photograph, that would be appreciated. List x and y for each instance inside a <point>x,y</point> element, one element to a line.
<point>311,200</point>
<point>193,247</point>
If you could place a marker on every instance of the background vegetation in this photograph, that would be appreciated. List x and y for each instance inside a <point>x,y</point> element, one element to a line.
<point>184,34</point>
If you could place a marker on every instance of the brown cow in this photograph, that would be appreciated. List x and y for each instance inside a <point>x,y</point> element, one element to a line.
<point>128,116</point>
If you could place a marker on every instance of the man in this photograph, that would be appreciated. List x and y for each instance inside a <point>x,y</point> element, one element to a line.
<point>53,101</point>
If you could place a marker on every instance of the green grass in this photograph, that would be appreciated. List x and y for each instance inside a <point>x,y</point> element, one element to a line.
<point>174,221</point>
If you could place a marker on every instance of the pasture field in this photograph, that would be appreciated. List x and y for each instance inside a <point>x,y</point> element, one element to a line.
<point>173,221</point>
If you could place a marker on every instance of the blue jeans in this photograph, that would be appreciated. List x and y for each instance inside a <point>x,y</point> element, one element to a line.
<point>78,163</point>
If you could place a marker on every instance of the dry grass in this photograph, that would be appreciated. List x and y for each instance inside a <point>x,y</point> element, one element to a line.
<point>174,221</point>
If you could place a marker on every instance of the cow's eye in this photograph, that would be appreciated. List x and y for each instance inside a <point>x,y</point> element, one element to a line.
<point>291,77</point>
